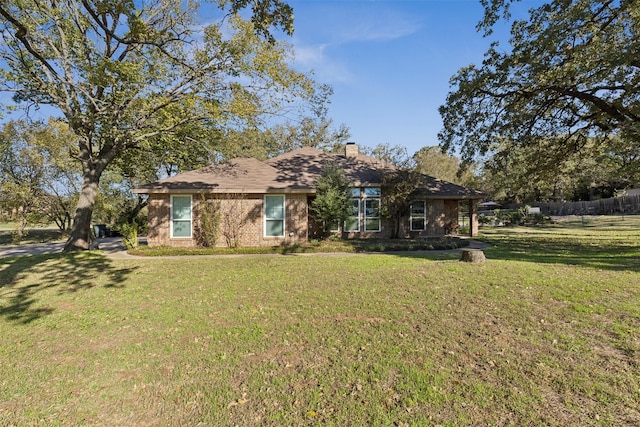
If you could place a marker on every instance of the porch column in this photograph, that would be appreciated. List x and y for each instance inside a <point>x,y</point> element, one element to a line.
<point>473,218</point>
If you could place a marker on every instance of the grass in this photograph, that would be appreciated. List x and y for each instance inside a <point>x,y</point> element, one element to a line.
<point>315,246</point>
<point>531,337</point>
<point>609,242</point>
<point>34,235</point>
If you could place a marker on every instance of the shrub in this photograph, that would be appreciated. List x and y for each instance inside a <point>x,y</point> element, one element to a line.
<point>208,228</point>
<point>129,233</point>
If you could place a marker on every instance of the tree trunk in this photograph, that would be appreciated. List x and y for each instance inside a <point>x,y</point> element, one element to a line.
<point>80,235</point>
<point>396,227</point>
<point>136,210</point>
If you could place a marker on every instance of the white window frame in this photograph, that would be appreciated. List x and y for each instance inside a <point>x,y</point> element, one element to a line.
<point>366,217</point>
<point>423,217</point>
<point>372,193</point>
<point>190,220</point>
<point>283,219</point>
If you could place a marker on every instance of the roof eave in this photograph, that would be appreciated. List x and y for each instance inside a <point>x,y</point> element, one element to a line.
<point>271,190</point>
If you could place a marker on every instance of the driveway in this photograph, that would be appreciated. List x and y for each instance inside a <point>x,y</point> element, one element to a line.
<point>109,245</point>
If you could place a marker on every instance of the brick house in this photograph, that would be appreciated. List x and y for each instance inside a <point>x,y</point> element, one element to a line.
<point>266,203</point>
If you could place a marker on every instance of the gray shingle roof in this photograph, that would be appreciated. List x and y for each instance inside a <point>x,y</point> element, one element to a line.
<point>296,171</point>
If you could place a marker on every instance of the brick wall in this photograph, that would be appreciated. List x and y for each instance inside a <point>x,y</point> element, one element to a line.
<point>451,213</point>
<point>242,221</point>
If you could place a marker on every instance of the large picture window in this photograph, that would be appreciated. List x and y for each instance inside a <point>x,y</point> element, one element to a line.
<point>372,209</point>
<point>353,220</point>
<point>274,216</point>
<point>181,216</point>
<point>418,216</point>
<point>372,215</point>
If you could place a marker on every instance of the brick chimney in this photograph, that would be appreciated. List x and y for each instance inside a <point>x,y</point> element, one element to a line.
<point>351,149</point>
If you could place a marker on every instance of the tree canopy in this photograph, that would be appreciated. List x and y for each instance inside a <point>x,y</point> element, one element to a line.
<point>129,77</point>
<point>569,82</point>
<point>433,162</point>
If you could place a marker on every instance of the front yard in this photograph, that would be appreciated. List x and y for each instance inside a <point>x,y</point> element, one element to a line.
<point>547,332</point>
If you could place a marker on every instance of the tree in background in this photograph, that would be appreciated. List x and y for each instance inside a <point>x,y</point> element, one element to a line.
<point>332,204</point>
<point>128,75</point>
<point>398,186</point>
<point>433,162</point>
<point>396,155</point>
<point>520,176</point>
<point>569,83</point>
<point>399,180</point>
<point>38,180</point>
<point>311,131</point>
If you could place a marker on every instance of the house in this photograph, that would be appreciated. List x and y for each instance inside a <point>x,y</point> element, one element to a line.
<point>265,203</point>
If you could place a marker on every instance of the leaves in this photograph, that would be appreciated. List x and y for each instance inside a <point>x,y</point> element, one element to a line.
<point>145,84</point>
<point>38,179</point>
<point>571,73</point>
<point>332,203</point>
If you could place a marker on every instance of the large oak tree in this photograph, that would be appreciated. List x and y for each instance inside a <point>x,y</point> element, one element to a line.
<point>569,82</point>
<point>126,75</point>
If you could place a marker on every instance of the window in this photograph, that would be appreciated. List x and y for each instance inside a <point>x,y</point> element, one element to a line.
<point>372,215</point>
<point>181,216</point>
<point>418,216</point>
<point>372,209</point>
<point>372,192</point>
<point>274,216</point>
<point>353,220</point>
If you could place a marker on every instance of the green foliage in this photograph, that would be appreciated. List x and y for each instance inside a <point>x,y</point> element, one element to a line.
<point>398,186</point>
<point>399,179</point>
<point>208,227</point>
<point>513,217</point>
<point>116,204</point>
<point>144,84</point>
<point>331,244</point>
<point>332,203</point>
<point>570,74</point>
<point>129,233</point>
<point>395,155</point>
<point>433,162</point>
<point>518,174</point>
<point>38,178</point>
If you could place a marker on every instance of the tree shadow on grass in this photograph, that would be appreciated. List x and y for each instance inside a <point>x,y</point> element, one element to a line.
<point>604,255</point>
<point>394,246</point>
<point>24,281</point>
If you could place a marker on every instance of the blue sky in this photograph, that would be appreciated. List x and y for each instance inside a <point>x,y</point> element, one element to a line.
<point>389,61</point>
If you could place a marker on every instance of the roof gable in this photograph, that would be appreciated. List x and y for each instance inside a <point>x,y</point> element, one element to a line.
<point>241,174</point>
<point>304,166</point>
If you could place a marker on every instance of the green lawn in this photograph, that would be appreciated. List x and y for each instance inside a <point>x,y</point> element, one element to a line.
<point>34,234</point>
<point>547,332</point>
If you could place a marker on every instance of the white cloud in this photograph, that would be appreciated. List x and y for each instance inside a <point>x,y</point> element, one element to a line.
<point>326,68</point>
<point>327,30</point>
<point>378,28</point>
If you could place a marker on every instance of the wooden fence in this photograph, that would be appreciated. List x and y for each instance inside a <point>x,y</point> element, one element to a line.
<point>614,205</point>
